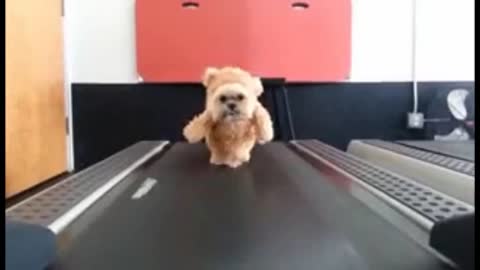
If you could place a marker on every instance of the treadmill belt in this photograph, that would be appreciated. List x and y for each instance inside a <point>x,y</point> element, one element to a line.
<point>458,149</point>
<point>277,212</point>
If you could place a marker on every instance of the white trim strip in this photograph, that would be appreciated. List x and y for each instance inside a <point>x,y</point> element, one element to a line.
<point>419,219</point>
<point>63,221</point>
<point>144,188</point>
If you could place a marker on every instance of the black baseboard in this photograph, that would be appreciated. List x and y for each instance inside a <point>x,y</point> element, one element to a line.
<point>109,117</point>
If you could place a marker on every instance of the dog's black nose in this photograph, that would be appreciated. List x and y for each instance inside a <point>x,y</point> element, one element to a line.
<point>232,106</point>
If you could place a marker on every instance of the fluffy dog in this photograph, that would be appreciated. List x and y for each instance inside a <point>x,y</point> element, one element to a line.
<point>234,120</point>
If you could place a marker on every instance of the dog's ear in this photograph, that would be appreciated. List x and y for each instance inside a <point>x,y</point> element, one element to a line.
<point>257,86</point>
<point>208,75</point>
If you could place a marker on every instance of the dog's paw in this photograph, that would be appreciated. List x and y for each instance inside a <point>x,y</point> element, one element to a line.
<point>262,142</point>
<point>215,160</point>
<point>266,137</point>
<point>245,158</point>
<point>234,164</point>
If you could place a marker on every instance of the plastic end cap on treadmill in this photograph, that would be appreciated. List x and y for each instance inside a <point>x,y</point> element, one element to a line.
<point>28,246</point>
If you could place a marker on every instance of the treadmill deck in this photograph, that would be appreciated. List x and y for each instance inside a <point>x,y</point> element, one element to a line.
<point>277,212</point>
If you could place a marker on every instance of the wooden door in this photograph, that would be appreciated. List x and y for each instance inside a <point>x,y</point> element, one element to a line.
<point>35,131</point>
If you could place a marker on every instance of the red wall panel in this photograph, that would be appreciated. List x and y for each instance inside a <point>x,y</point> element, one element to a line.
<point>268,37</point>
<point>311,44</point>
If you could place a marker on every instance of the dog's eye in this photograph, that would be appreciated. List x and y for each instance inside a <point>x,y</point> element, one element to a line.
<point>240,97</point>
<point>223,99</point>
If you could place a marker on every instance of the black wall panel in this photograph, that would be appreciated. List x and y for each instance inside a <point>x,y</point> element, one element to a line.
<point>109,117</point>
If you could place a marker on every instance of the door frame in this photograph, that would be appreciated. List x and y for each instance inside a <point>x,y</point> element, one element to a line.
<point>68,96</point>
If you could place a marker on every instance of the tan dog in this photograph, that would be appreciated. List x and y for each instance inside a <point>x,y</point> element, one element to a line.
<point>233,120</point>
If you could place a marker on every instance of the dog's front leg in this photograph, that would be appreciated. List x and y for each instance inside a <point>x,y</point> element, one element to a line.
<point>197,128</point>
<point>263,124</point>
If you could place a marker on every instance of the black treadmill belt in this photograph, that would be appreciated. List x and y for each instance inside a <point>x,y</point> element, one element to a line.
<point>275,213</point>
<point>463,150</point>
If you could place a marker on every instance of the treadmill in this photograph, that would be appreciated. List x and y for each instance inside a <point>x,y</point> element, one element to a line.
<point>296,205</point>
<point>448,166</point>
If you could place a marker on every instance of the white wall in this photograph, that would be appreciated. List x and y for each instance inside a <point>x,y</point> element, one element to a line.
<point>446,39</point>
<point>101,40</point>
<point>381,40</point>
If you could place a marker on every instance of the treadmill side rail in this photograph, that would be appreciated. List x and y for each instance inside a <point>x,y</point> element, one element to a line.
<point>425,202</point>
<point>433,170</point>
<point>451,237</point>
<point>58,205</point>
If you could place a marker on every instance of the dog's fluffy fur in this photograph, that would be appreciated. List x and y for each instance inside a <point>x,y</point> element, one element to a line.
<point>234,120</point>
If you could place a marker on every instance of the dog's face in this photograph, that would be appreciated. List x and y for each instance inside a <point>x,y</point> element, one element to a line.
<point>231,101</point>
<point>231,94</point>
